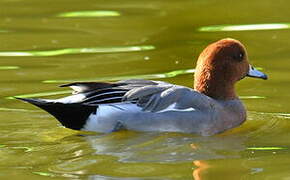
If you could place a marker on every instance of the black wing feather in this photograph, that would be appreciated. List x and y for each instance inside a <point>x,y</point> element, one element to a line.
<point>103,92</point>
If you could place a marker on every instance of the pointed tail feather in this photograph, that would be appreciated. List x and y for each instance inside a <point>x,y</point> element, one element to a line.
<point>36,102</point>
<point>72,115</point>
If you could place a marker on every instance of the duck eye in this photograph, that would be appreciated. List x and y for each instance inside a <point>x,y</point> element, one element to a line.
<point>239,57</point>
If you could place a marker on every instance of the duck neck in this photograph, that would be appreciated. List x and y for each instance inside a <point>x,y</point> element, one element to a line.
<point>215,86</point>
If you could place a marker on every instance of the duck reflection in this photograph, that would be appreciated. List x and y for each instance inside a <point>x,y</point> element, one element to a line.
<point>167,148</point>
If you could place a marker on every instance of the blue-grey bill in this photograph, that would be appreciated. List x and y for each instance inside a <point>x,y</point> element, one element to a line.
<point>253,72</point>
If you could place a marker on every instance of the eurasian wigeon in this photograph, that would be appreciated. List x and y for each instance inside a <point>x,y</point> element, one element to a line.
<point>143,105</point>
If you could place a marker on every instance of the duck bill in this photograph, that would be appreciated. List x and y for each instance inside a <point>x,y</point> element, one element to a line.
<point>253,72</point>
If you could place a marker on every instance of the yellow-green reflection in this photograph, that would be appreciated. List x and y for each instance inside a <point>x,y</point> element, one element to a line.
<point>252,97</point>
<point>17,110</point>
<point>58,52</point>
<point>141,76</point>
<point>9,67</point>
<point>89,14</point>
<point>266,148</point>
<point>283,115</point>
<point>244,27</point>
<point>43,174</point>
<point>39,94</point>
<point>26,149</point>
<point>279,115</point>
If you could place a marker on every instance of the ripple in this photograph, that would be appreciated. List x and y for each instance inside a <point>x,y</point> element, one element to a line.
<point>278,115</point>
<point>97,13</point>
<point>244,27</point>
<point>25,149</point>
<point>47,174</point>
<point>252,97</point>
<point>58,52</point>
<point>17,110</point>
<point>9,67</point>
<point>266,148</point>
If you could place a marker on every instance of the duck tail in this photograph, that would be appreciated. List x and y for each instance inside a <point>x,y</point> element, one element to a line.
<point>70,115</point>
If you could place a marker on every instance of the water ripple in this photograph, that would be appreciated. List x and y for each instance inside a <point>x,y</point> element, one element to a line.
<point>9,67</point>
<point>47,174</point>
<point>244,27</point>
<point>252,97</point>
<point>97,13</point>
<point>17,110</point>
<point>266,148</point>
<point>58,52</point>
<point>276,114</point>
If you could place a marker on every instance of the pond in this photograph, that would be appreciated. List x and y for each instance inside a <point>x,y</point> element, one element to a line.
<point>48,43</point>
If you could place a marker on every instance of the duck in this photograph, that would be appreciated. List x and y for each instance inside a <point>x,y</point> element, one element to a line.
<point>210,107</point>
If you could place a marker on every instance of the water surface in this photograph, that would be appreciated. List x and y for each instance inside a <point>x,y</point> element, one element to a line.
<point>47,43</point>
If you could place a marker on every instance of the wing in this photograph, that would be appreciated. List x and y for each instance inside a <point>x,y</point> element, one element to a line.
<point>101,92</point>
<point>152,96</point>
<point>154,99</point>
<point>165,96</point>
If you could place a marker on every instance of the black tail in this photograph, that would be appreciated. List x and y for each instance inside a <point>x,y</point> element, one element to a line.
<point>72,115</point>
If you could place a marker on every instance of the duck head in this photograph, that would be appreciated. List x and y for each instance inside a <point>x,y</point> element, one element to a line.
<point>220,66</point>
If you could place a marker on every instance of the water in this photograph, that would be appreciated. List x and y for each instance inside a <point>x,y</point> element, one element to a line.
<point>47,43</point>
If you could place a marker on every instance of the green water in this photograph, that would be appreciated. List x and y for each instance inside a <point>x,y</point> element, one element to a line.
<point>47,43</point>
